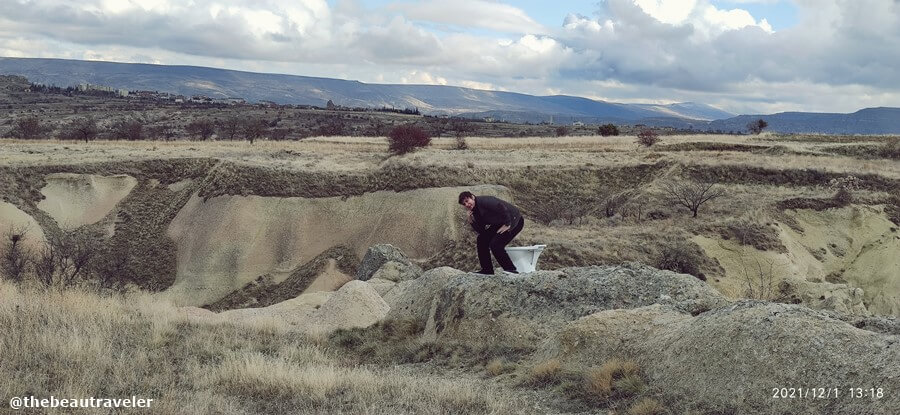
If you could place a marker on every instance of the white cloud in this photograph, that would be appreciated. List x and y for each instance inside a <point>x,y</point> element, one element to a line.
<point>471,13</point>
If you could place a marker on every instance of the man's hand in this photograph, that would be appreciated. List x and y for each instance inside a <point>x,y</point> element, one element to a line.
<point>503,228</point>
<point>470,218</point>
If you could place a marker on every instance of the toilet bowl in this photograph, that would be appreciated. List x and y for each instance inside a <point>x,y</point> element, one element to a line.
<point>525,258</point>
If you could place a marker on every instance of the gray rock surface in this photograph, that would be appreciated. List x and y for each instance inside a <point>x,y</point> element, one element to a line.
<point>411,300</point>
<point>731,359</point>
<point>524,309</point>
<point>378,255</point>
<point>397,271</point>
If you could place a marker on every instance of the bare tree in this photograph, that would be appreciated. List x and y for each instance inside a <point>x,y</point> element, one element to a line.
<point>230,127</point>
<point>254,128</point>
<point>130,129</point>
<point>202,129</point>
<point>29,128</point>
<point>163,131</point>
<point>691,193</point>
<point>80,129</point>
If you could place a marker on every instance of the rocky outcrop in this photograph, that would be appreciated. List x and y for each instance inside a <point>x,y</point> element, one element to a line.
<point>387,262</point>
<point>734,359</point>
<point>412,300</point>
<point>528,308</point>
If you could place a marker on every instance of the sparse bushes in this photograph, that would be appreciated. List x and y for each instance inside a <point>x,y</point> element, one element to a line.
<point>407,138</point>
<point>753,234</point>
<point>562,131</point>
<point>461,143</point>
<point>647,137</point>
<point>691,194</point>
<point>756,127</point>
<point>607,130</point>
<point>891,149</point>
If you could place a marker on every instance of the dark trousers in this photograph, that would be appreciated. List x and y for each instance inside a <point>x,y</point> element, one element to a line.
<point>490,241</point>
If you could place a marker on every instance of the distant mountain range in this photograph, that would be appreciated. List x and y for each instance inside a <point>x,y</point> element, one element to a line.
<point>431,99</point>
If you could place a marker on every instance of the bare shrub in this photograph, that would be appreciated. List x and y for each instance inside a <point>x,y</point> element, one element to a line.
<point>562,131</point>
<point>407,138</point>
<point>130,129</point>
<point>66,257</point>
<point>680,256</point>
<point>891,149</point>
<point>614,203</point>
<point>461,143</point>
<point>607,130</point>
<point>163,131</point>
<point>15,256</point>
<point>81,129</point>
<point>647,137</point>
<point>691,194</point>
<point>758,276</point>
<point>753,234</point>
<point>756,127</point>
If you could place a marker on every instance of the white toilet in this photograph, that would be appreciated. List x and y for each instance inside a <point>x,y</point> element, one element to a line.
<point>525,258</point>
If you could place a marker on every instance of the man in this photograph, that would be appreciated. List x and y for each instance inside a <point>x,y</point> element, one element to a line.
<point>497,223</point>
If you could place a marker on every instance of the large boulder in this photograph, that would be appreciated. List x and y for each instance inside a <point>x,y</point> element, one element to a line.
<point>734,359</point>
<point>398,266</point>
<point>411,300</point>
<point>527,308</point>
<point>356,304</point>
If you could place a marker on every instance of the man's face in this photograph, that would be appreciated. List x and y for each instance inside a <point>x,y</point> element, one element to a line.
<point>469,203</point>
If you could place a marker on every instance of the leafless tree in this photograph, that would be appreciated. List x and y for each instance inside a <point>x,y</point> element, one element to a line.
<point>129,129</point>
<point>230,127</point>
<point>757,126</point>
<point>29,128</point>
<point>254,128</point>
<point>80,129</point>
<point>691,193</point>
<point>202,129</point>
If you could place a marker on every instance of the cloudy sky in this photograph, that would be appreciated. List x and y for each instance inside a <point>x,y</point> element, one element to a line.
<point>744,56</point>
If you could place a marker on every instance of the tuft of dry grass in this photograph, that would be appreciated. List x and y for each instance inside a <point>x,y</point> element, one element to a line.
<point>615,378</point>
<point>548,372</point>
<point>499,366</point>
<point>647,406</point>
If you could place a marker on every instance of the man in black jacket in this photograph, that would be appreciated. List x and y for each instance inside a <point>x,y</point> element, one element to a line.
<point>497,223</point>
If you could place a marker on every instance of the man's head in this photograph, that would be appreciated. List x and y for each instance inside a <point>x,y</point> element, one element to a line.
<point>467,199</point>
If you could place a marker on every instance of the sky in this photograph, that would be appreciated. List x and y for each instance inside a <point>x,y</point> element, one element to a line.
<point>743,56</point>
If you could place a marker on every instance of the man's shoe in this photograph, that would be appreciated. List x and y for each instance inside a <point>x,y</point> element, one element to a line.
<point>513,272</point>
<point>483,272</point>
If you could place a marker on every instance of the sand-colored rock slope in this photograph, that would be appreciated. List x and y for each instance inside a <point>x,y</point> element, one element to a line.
<point>828,255</point>
<point>12,219</point>
<point>227,241</point>
<point>74,200</point>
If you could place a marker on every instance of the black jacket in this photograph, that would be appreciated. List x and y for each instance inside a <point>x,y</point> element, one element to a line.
<point>490,210</point>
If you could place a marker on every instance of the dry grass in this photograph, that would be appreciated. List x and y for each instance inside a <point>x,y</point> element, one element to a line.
<point>647,406</point>
<point>548,372</point>
<point>77,344</point>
